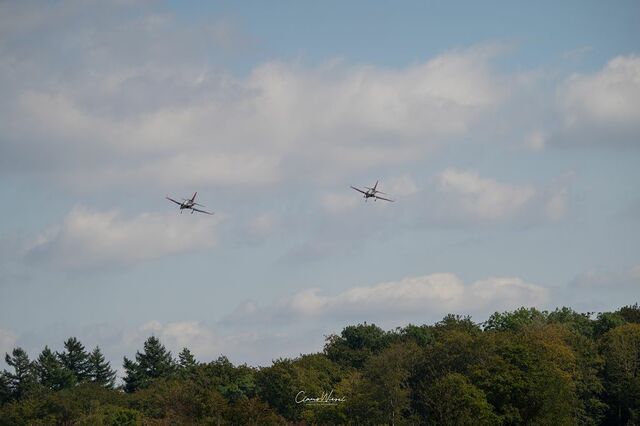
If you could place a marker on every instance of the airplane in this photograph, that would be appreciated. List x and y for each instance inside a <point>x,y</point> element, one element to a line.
<point>371,193</point>
<point>189,204</point>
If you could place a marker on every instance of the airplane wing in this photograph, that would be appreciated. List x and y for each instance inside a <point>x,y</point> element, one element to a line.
<point>200,211</point>
<point>382,198</point>
<point>171,199</point>
<point>359,190</point>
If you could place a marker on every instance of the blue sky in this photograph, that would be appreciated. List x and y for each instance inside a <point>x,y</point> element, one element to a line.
<point>507,132</point>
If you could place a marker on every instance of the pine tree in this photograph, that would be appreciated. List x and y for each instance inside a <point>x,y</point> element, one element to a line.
<point>75,358</point>
<point>186,360</point>
<point>155,362</point>
<point>186,364</point>
<point>23,379</point>
<point>99,370</point>
<point>5,391</point>
<point>51,373</point>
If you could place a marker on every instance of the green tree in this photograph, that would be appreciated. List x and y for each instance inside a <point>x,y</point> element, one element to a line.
<point>5,391</point>
<point>99,369</point>
<point>253,412</point>
<point>453,401</point>
<point>630,313</point>
<point>51,373</point>
<point>356,344</point>
<point>153,363</point>
<point>515,320</point>
<point>278,386</point>
<point>529,376</point>
<point>186,363</point>
<point>579,322</point>
<point>186,359</point>
<point>422,335</point>
<point>606,321</point>
<point>180,401</point>
<point>23,379</point>
<point>621,351</point>
<point>75,359</point>
<point>386,381</point>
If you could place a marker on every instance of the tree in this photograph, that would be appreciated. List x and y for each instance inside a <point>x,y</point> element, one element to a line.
<point>253,412</point>
<point>621,350</point>
<point>232,382</point>
<point>453,400</point>
<point>23,379</point>
<point>386,381</point>
<point>278,386</point>
<point>75,359</point>
<point>99,370</point>
<point>630,313</point>
<point>51,372</point>
<point>516,320</point>
<point>529,376</point>
<point>606,321</point>
<point>5,391</point>
<point>579,322</point>
<point>186,360</point>
<point>153,363</point>
<point>356,344</point>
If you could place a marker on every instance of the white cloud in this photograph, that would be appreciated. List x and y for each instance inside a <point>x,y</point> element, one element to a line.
<point>89,239</point>
<point>158,120</point>
<point>483,198</point>
<point>426,296</point>
<point>463,196</point>
<point>606,101</point>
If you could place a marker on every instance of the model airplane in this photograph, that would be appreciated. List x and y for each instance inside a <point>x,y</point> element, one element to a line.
<point>189,204</point>
<point>372,193</point>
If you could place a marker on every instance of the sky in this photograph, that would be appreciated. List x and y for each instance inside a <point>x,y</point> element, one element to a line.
<point>508,134</point>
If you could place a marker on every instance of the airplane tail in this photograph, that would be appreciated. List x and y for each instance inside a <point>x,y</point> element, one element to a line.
<point>375,186</point>
<point>194,196</point>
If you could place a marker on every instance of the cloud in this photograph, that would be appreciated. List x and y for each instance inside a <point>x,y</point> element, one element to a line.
<point>464,196</point>
<point>481,197</point>
<point>413,297</point>
<point>88,239</point>
<point>602,279</point>
<point>166,117</point>
<point>606,102</point>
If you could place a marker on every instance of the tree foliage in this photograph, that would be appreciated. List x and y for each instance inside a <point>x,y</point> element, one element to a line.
<point>523,367</point>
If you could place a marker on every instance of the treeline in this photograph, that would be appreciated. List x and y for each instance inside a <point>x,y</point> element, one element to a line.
<point>525,367</point>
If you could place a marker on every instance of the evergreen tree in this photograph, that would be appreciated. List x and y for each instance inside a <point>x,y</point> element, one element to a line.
<point>75,358</point>
<point>51,373</point>
<point>23,379</point>
<point>186,364</point>
<point>99,369</point>
<point>155,362</point>
<point>186,360</point>
<point>5,391</point>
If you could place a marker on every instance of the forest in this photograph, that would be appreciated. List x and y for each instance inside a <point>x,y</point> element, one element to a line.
<point>522,367</point>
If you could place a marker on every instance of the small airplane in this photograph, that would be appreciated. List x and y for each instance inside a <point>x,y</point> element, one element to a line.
<point>189,204</point>
<point>372,193</point>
